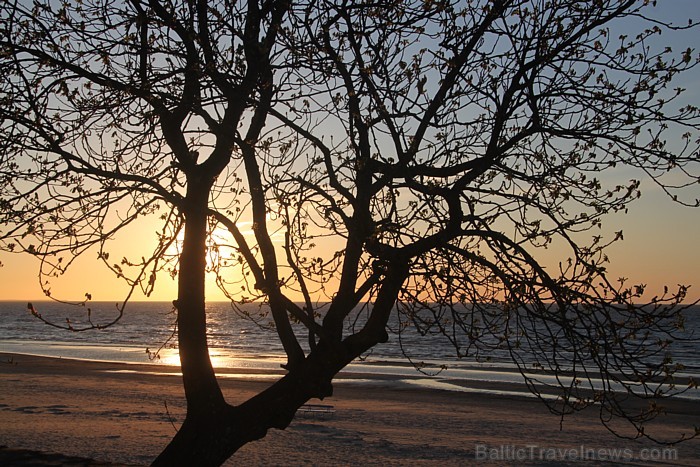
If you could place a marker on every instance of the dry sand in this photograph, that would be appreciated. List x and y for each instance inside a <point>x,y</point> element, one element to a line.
<point>95,410</point>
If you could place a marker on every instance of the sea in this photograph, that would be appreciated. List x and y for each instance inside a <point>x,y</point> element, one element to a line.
<point>146,329</point>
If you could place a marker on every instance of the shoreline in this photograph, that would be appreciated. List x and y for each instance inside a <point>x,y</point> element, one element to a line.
<point>488,378</point>
<point>95,410</point>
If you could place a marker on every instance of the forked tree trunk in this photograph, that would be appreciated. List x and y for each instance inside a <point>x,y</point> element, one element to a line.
<point>213,430</point>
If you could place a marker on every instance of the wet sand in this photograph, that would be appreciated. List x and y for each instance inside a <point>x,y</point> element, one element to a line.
<point>92,413</point>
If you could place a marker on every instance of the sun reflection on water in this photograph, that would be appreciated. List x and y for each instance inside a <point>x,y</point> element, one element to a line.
<point>220,358</point>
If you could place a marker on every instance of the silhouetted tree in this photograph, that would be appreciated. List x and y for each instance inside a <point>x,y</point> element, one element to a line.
<point>392,157</point>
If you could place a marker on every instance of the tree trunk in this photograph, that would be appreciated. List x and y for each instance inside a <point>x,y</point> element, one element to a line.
<point>206,407</point>
<point>208,439</point>
<point>201,388</point>
<point>214,430</point>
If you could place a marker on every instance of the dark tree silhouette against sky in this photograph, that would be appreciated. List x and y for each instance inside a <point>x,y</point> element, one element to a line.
<point>422,158</point>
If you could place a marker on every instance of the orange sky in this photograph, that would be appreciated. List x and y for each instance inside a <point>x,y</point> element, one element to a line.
<point>660,248</point>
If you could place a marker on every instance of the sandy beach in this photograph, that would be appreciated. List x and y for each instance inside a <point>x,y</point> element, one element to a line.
<point>125,414</point>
